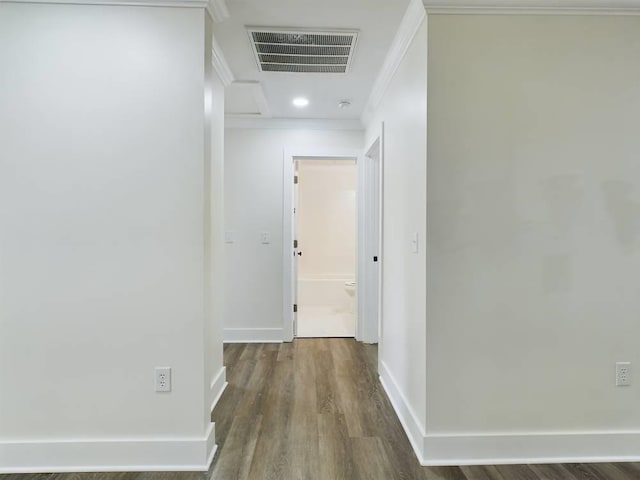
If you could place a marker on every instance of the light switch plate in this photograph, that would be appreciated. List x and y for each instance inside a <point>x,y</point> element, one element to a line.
<point>265,237</point>
<point>228,237</point>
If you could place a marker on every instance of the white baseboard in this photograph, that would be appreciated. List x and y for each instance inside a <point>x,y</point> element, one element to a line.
<point>217,387</point>
<point>406,415</point>
<point>109,455</point>
<point>552,447</point>
<point>252,335</point>
<point>508,448</point>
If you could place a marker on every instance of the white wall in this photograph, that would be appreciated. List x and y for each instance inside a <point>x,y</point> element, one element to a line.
<point>534,247</point>
<point>253,204</point>
<point>327,218</point>
<point>403,340</point>
<point>101,237</point>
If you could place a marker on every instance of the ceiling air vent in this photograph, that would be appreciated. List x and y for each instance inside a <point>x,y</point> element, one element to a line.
<point>299,51</point>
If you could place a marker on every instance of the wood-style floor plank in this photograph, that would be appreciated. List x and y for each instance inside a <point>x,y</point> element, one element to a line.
<point>517,472</point>
<point>314,409</point>
<point>335,450</point>
<point>553,472</point>
<point>483,472</point>
<point>370,459</point>
<point>444,473</point>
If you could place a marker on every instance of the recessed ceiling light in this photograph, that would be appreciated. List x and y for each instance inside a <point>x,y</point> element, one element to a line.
<point>300,102</point>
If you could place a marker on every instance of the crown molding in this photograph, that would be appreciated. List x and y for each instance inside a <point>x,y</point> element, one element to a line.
<point>533,7</point>
<point>292,123</point>
<point>218,10</point>
<point>124,3</point>
<point>220,64</point>
<point>409,25</point>
<point>259,97</point>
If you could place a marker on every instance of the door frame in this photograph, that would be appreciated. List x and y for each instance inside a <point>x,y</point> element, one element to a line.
<point>372,297</point>
<point>289,156</point>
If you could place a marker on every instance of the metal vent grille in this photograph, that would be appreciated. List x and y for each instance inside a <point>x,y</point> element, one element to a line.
<point>302,52</point>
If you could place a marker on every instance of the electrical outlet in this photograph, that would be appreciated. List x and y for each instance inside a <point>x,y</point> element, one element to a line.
<point>623,374</point>
<point>265,237</point>
<point>163,379</point>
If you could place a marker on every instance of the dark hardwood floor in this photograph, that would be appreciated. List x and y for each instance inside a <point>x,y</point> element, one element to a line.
<point>315,410</point>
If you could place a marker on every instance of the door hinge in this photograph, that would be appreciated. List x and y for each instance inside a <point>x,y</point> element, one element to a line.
<point>295,179</point>
<point>295,244</point>
<point>295,308</point>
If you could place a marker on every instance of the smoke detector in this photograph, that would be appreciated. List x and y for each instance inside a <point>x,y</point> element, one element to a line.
<point>301,51</point>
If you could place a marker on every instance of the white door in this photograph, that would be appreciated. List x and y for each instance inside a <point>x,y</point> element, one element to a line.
<point>296,250</point>
<point>373,244</point>
<point>326,249</point>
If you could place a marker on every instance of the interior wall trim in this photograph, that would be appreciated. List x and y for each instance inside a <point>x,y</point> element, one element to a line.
<point>218,10</point>
<point>109,455</point>
<point>533,7</point>
<point>531,447</point>
<point>411,21</point>
<point>125,3</point>
<point>252,335</point>
<point>232,121</point>
<point>218,385</point>
<point>409,420</point>
<point>220,64</point>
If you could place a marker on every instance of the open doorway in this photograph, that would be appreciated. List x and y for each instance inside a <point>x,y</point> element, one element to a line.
<point>366,321</point>
<point>325,214</point>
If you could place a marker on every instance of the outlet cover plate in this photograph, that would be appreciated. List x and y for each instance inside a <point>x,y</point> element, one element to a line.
<point>623,374</point>
<point>163,379</point>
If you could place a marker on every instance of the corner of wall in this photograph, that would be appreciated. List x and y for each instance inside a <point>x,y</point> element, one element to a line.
<point>408,418</point>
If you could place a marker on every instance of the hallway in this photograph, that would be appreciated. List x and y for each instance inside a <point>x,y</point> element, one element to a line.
<point>311,409</point>
<point>314,409</point>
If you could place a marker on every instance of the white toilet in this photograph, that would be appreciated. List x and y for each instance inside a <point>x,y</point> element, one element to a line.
<point>350,288</point>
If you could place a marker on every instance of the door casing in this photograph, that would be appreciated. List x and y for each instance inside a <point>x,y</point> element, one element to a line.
<point>366,328</point>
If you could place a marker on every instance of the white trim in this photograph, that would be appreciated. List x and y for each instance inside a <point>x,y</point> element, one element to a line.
<point>218,10</point>
<point>508,448</point>
<point>372,316</point>
<point>109,455</point>
<point>123,3</point>
<point>257,91</point>
<point>533,447</point>
<point>413,17</point>
<point>252,335</point>
<point>409,420</point>
<point>220,64</point>
<point>287,227</point>
<point>534,7</point>
<point>218,386</point>
<point>532,11</point>
<point>293,123</point>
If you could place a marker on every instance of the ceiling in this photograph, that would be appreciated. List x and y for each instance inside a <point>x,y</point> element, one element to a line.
<point>270,94</point>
